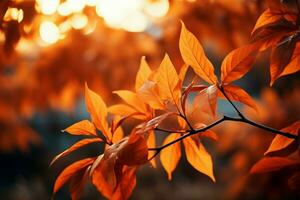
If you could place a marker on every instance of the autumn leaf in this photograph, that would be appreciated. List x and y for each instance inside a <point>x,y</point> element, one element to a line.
<point>207,100</point>
<point>270,164</point>
<point>70,171</point>
<point>238,62</point>
<point>236,93</point>
<point>281,142</point>
<point>98,111</point>
<point>84,127</point>
<point>198,157</point>
<point>151,143</point>
<point>167,80</point>
<point>143,74</point>
<point>170,156</point>
<point>281,57</point>
<point>132,99</point>
<point>121,109</point>
<point>193,55</point>
<point>76,146</point>
<point>149,93</point>
<point>267,17</point>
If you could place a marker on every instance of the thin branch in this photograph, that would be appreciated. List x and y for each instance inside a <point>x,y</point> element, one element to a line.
<point>171,131</point>
<point>219,121</point>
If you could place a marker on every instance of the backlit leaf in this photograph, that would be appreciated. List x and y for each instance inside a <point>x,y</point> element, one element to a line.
<point>84,127</point>
<point>170,156</point>
<point>143,74</point>
<point>281,142</point>
<point>198,157</point>
<point>193,55</point>
<point>98,111</point>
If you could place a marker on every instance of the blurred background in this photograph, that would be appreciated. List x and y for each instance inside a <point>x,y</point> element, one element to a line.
<point>49,48</point>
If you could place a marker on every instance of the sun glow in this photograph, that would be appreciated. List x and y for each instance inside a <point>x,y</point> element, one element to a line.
<point>131,15</point>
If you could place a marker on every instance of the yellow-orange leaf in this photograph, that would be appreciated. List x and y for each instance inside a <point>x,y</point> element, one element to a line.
<point>167,80</point>
<point>151,143</point>
<point>98,111</point>
<point>143,74</point>
<point>170,156</point>
<point>281,142</point>
<point>198,157</point>
<point>236,93</point>
<point>132,99</point>
<point>238,62</point>
<point>149,93</point>
<point>70,171</point>
<point>121,109</point>
<point>84,127</point>
<point>193,55</point>
<point>270,164</point>
<point>76,146</point>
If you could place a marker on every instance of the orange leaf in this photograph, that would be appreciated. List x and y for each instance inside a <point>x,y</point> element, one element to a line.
<point>238,62</point>
<point>76,146</point>
<point>77,184</point>
<point>149,93</point>
<point>198,157</point>
<point>272,164</point>
<point>132,99</point>
<point>170,156</point>
<point>126,185</point>
<point>281,142</point>
<point>207,98</point>
<point>143,74</point>
<point>193,55</point>
<point>84,127</point>
<point>267,17</point>
<point>167,80</point>
<point>281,57</point>
<point>151,143</point>
<point>70,171</point>
<point>294,64</point>
<point>236,93</point>
<point>121,109</point>
<point>98,111</point>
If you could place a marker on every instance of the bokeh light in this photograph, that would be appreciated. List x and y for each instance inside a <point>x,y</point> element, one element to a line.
<point>49,32</point>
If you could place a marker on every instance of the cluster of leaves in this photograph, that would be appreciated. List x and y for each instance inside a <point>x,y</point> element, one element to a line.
<point>159,95</point>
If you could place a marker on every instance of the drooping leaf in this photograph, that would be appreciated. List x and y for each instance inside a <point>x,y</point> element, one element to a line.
<point>170,156</point>
<point>238,62</point>
<point>70,171</point>
<point>151,143</point>
<point>143,74</point>
<point>198,157</point>
<point>236,93</point>
<point>193,55</point>
<point>84,127</point>
<point>126,185</point>
<point>294,64</point>
<point>76,146</point>
<point>281,57</point>
<point>270,164</point>
<point>281,142</point>
<point>98,111</point>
